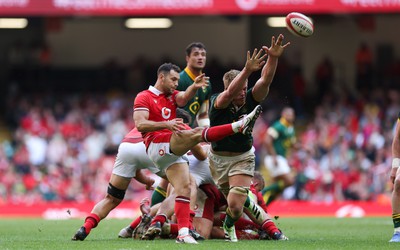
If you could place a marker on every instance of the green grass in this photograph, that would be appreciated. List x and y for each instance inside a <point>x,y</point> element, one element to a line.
<point>304,233</point>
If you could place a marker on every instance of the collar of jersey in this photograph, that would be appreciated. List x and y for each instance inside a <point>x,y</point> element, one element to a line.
<point>285,122</point>
<point>190,74</point>
<point>155,91</point>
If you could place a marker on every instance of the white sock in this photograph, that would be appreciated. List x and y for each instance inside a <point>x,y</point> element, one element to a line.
<point>237,125</point>
<point>183,231</point>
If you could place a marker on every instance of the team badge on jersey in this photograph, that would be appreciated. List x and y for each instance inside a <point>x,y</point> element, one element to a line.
<point>194,107</point>
<point>161,152</point>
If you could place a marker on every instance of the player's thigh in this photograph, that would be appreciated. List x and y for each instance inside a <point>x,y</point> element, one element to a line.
<point>120,182</point>
<point>130,158</point>
<point>223,167</point>
<point>182,142</point>
<point>240,180</point>
<point>160,153</point>
<point>281,169</point>
<point>178,175</point>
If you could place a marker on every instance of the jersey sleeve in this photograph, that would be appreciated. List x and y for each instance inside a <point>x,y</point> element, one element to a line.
<point>272,131</point>
<point>141,102</point>
<point>176,92</point>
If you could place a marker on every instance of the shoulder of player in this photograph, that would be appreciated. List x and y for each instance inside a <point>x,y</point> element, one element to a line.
<point>278,125</point>
<point>144,95</point>
<point>184,82</point>
<point>183,76</point>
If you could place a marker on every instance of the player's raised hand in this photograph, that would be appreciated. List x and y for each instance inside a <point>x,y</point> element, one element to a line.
<point>201,81</point>
<point>277,47</point>
<point>255,61</point>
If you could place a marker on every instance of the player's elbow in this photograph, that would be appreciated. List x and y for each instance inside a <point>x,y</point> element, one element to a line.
<point>181,102</point>
<point>140,127</point>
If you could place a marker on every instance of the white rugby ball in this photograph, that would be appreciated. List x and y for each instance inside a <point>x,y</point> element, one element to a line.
<point>299,24</point>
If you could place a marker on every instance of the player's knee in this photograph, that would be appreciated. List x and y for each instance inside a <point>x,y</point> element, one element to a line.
<point>196,133</point>
<point>115,192</point>
<point>240,194</point>
<point>238,190</point>
<point>183,189</point>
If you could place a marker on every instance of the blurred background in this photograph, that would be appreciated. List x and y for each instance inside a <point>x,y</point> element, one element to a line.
<point>71,69</point>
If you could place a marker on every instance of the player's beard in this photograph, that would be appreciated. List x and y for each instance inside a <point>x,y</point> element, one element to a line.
<point>171,90</point>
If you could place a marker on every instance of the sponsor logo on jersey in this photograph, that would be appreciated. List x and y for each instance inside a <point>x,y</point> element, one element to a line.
<point>161,152</point>
<point>166,113</point>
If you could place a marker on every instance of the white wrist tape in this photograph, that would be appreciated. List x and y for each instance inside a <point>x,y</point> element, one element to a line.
<point>396,162</point>
<point>204,122</point>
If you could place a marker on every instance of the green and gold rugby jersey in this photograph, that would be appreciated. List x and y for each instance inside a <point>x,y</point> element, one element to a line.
<point>203,94</point>
<point>284,136</point>
<point>237,142</point>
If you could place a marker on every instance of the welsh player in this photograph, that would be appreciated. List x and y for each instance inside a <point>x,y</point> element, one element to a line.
<point>197,107</point>
<point>130,160</point>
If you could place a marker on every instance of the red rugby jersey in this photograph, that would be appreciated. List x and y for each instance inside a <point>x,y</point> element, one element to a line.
<point>161,107</point>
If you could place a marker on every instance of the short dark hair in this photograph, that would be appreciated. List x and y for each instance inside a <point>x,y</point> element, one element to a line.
<point>167,67</point>
<point>190,47</point>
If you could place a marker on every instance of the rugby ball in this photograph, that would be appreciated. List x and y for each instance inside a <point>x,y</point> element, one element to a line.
<point>299,24</point>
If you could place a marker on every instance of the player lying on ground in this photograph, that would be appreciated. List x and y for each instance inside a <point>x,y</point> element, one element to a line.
<point>211,203</point>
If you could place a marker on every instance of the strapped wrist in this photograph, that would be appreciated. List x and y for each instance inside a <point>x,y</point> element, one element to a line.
<point>203,122</point>
<point>396,162</point>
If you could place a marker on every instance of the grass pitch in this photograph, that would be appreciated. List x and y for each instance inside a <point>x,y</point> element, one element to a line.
<point>304,233</point>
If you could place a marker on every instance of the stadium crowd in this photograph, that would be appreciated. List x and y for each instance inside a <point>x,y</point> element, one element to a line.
<point>63,145</point>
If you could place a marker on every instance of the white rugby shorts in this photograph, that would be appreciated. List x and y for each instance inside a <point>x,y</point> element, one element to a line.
<point>282,168</point>
<point>132,157</point>
<point>160,154</point>
<point>200,170</point>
